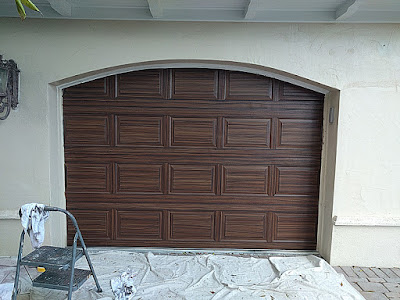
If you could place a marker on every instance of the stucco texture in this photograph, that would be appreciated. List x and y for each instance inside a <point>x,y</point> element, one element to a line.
<point>361,61</point>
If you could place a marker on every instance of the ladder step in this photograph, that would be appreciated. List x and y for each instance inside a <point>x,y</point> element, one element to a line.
<point>51,257</point>
<point>59,279</point>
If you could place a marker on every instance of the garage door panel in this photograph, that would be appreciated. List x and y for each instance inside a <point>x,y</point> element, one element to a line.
<point>192,179</point>
<point>139,131</point>
<point>192,226</point>
<point>308,204</point>
<point>140,84</point>
<point>243,226</point>
<point>292,227</point>
<point>211,244</point>
<point>294,181</point>
<point>290,92</point>
<point>194,84</point>
<point>99,89</point>
<point>299,133</point>
<point>194,132</point>
<point>245,180</point>
<point>95,225</point>
<point>87,130</point>
<point>245,86</point>
<point>139,225</point>
<point>88,178</point>
<point>247,132</point>
<point>139,178</point>
<point>174,155</point>
<point>182,108</point>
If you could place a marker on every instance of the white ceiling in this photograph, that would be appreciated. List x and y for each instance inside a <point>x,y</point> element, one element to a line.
<point>308,11</point>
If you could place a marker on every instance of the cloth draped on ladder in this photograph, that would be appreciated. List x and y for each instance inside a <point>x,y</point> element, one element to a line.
<point>33,217</point>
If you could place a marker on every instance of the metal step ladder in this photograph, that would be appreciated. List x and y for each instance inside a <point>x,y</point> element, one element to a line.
<point>59,263</point>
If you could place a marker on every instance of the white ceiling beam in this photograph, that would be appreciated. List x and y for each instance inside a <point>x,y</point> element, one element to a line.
<point>347,9</point>
<point>156,8</point>
<point>62,7</point>
<point>251,10</point>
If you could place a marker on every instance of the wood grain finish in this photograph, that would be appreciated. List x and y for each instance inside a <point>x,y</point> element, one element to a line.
<point>88,178</point>
<point>245,86</point>
<point>247,133</point>
<point>95,225</point>
<point>295,181</point>
<point>244,226</point>
<point>139,225</point>
<point>192,226</point>
<point>98,89</point>
<point>192,179</point>
<point>194,84</point>
<point>87,130</point>
<point>293,228</point>
<point>290,92</point>
<point>197,132</point>
<point>297,133</point>
<point>139,179</point>
<point>139,131</point>
<point>140,84</point>
<point>193,158</point>
<point>245,180</point>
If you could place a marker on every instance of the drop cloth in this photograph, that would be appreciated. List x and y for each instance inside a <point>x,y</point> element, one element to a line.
<point>6,290</point>
<point>213,277</point>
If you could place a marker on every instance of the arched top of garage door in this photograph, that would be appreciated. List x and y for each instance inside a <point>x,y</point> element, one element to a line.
<point>186,83</point>
<point>204,64</point>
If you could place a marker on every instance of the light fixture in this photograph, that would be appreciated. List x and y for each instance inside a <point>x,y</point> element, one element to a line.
<point>9,84</point>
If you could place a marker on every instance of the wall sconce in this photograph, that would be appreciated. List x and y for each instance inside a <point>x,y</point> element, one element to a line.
<point>9,85</point>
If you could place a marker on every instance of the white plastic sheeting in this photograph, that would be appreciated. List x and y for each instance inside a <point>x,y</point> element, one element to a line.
<point>214,277</point>
<point>6,290</point>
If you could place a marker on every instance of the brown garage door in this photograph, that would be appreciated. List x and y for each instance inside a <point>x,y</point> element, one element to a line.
<point>193,158</point>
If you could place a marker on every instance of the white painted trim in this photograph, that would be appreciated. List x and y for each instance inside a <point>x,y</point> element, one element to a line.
<point>370,221</point>
<point>58,224</point>
<point>57,176</point>
<point>9,214</point>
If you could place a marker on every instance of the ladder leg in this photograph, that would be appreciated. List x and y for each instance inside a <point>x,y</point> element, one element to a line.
<point>21,246</point>
<point>90,263</point>
<point>71,282</point>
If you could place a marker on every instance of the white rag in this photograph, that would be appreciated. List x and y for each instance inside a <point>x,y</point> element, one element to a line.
<point>33,217</point>
<point>122,286</point>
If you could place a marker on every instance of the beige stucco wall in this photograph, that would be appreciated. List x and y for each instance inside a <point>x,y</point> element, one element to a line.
<point>362,61</point>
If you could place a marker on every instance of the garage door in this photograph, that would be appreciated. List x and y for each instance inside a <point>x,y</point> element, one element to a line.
<point>193,158</point>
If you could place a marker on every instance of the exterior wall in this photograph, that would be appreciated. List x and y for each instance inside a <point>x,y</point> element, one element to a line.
<point>362,61</point>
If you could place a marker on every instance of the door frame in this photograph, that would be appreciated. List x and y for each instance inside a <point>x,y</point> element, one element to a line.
<point>58,232</point>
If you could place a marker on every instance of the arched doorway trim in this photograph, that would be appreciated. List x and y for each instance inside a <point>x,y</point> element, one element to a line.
<point>57,179</point>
